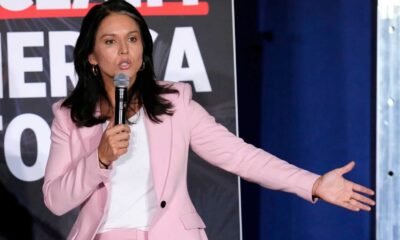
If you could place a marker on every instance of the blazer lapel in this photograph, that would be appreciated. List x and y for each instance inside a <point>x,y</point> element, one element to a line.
<point>92,136</point>
<point>159,140</point>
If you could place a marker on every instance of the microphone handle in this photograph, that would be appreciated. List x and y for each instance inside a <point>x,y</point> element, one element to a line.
<point>120,105</point>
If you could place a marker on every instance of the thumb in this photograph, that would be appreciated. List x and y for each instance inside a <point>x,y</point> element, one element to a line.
<point>347,168</point>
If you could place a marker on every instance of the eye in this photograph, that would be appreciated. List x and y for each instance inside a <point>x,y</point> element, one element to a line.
<point>132,39</point>
<point>109,41</point>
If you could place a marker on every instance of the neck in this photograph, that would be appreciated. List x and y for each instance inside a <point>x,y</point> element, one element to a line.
<point>107,107</point>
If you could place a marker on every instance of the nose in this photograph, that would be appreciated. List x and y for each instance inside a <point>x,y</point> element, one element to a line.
<point>123,48</point>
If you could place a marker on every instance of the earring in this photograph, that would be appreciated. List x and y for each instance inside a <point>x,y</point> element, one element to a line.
<point>95,71</point>
<point>143,66</point>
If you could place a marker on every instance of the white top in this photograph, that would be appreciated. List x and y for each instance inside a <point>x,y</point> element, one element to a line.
<point>132,199</point>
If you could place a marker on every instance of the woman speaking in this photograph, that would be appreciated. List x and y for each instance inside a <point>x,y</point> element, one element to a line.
<point>129,180</point>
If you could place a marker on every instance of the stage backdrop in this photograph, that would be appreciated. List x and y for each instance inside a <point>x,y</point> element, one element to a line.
<point>194,42</point>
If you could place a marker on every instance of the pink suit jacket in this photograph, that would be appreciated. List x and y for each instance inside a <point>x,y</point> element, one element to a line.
<point>73,177</point>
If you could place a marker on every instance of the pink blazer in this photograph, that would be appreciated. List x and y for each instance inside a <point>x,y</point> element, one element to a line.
<point>73,177</point>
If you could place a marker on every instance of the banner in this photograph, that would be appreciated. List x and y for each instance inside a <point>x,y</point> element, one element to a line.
<point>193,42</point>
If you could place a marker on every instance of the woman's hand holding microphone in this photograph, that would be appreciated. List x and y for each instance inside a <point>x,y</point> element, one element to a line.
<point>113,143</point>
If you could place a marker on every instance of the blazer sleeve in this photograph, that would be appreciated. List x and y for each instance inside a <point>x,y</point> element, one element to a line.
<point>215,144</point>
<point>68,183</point>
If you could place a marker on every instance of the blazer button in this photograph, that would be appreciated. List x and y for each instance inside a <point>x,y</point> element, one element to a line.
<point>163,204</point>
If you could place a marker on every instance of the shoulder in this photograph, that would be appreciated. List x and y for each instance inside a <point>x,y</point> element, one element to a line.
<point>59,110</point>
<point>62,115</point>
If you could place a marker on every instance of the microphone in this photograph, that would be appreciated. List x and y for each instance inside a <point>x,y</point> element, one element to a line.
<point>121,82</point>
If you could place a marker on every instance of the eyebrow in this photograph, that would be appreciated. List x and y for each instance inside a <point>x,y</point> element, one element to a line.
<point>113,34</point>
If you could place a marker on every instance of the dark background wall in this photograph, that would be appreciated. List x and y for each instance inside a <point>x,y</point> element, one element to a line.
<point>305,88</point>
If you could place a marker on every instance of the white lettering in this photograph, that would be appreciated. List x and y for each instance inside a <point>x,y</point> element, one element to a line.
<point>60,70</point>
<point>18,65</point>
<point>51,4</point>
<point>154,3</point>
<point>184,44</point>
<point>13,5</point>
<point>158,3</point>
<point>190,2</point>
<point>154,35</point>
<point>12,146</point>
<point>150,3</point>
<point>20,5</point>
<point>80,4</point>
<point>136,3</point>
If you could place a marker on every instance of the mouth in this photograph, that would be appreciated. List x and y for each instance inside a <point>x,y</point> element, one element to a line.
<point>124,65</point>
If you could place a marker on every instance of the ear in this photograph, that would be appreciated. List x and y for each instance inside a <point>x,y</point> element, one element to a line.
<point>92,59</point>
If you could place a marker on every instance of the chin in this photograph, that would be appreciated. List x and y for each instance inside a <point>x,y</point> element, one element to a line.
<point>128,72</point>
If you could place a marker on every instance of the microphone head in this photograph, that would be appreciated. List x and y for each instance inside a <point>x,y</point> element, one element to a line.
<point>121,80</point>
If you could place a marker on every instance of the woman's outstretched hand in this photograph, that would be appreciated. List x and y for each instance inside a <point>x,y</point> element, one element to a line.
<point>332,187</point>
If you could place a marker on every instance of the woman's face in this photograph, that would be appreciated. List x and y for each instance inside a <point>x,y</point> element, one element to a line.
<point>118,48</point>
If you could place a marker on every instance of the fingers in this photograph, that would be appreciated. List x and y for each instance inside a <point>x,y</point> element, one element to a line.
<point>118,138</point>
<point>363,199</point>
<point>359,205</point>
<point>347,168</point>
<point>354,205</point>
<point>357,202</point>
<point>112,130</point>
<point>349,206</point>
<point>362,189</point>
<point>114,143</point>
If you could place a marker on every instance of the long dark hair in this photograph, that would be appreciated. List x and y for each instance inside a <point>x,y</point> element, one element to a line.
<point>90,89</point>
